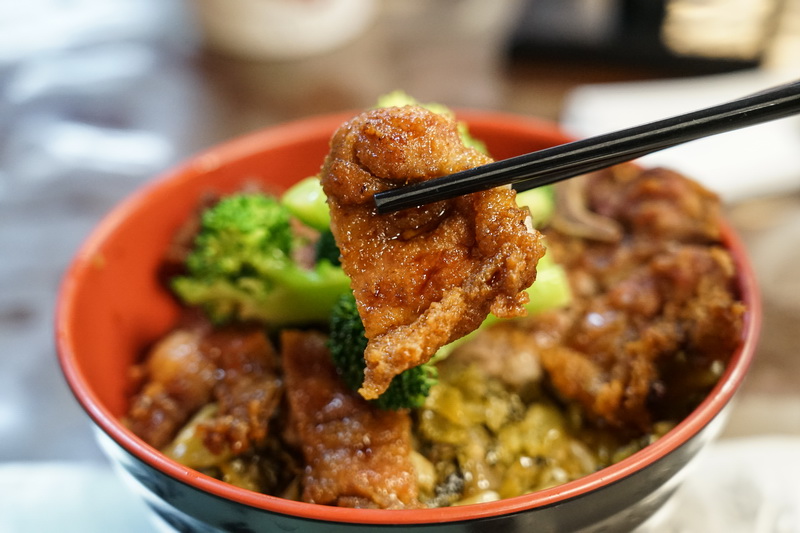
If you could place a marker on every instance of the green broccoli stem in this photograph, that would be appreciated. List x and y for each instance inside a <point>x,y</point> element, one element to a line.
<point>295,296</point>
<point>551,290</point>
<point>307,201</point>
<point>302,295</point>
<point>540,202</point>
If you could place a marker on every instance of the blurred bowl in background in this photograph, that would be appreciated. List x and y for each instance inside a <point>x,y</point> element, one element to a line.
<point>112,306</point>
<point>281,29</point>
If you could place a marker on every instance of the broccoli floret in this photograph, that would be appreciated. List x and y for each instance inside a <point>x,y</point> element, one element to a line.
<point>347,344</point>
<point>241,267</point>
<point>399,98</point>
<point>347,341</point>
<point>325,249</point>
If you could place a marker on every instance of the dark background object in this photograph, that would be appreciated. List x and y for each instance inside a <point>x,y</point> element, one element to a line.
<point>631,32</point>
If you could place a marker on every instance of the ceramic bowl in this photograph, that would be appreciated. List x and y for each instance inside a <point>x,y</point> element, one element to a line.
<point>111,306</point>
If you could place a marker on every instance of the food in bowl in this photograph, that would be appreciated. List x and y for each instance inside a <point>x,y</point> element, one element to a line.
<point>650,318</point>
<point>422,277</point>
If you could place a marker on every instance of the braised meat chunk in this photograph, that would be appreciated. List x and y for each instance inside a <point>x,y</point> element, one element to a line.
<point>235,367</point>
<point>169,395</point>
<point>356,455</point>
<point>248,390</point>
<point>427,276</point>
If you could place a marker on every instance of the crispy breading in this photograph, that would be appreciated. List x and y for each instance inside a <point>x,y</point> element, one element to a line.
<point>426,276</point>
<point>653,312</point>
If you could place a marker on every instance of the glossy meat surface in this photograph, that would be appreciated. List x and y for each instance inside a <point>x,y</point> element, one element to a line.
<point>422,277</point>
<point>236,367</point>
<point>356,455</point>
<point>656,315</point>
<point>170,394</point>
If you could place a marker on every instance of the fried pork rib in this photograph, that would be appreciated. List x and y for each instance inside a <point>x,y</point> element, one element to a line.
<point>427,276</point>
<point>236,367</point>
<point>356,455</point>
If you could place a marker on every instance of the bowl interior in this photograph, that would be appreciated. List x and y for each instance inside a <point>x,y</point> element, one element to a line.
<point>112,304</point>
<point>117,303</point>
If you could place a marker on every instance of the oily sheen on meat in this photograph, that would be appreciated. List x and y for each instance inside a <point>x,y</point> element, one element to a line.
<point>426,276</point>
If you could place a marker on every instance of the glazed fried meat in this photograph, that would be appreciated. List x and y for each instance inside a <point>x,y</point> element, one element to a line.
<point>236,367</point>
<point>652,312</point>
<point>248,389</point>
<point>427,276</point>
<point>356,455</point>
<point>170,394</point>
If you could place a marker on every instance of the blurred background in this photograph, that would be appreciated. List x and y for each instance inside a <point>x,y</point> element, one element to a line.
<point>99,96</point>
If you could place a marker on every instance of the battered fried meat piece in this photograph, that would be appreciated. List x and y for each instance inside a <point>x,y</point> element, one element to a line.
<point>236,367</point>
<point>357,455</point>
<point>655,314</point>
<point>656,203</point>
<point>652,312</point>
<point>422,277</point>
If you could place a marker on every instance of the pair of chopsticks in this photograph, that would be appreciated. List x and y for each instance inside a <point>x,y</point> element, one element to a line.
<point>554,164</point>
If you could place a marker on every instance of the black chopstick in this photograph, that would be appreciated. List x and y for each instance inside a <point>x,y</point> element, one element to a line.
<point>572,159</point>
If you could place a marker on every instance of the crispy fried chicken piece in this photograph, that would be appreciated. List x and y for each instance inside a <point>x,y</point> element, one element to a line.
<point>655,311</point>
<point>357,455</point>
<point>195,365</point>
<point>651,313</point>
<point>427,276</point>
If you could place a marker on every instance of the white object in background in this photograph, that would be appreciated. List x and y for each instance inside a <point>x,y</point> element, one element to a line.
<point>281,29</point>
<point>746,485</point>
<point>755,161</point>
<point>67,497</point>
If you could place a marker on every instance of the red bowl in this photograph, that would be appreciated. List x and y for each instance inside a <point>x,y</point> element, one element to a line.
<point>111,306</point>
